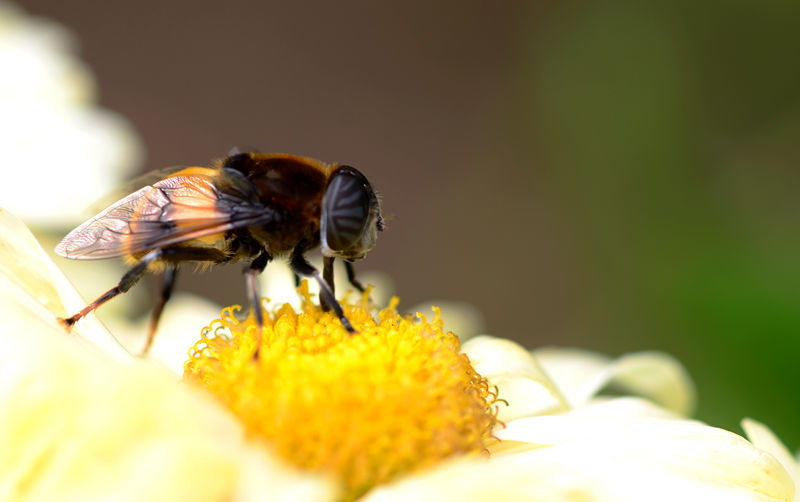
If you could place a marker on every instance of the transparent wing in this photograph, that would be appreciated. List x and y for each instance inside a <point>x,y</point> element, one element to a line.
<point>128,187</point>
<point>179,208</point>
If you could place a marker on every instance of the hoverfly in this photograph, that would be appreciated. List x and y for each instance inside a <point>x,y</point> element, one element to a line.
<point>249,206</point>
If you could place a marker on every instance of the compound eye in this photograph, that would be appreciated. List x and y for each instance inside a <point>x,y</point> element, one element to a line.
<point>345,209</point>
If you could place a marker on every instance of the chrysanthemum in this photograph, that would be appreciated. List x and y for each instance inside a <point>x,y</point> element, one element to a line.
<point>398,411</point>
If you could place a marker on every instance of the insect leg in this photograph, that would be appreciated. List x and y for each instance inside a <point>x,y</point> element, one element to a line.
<point>301,266</point>
<point>167,285</point>
<point>130,278</point>
<point>351,276</point>
<point>327,274</point>
<point>251,275</point>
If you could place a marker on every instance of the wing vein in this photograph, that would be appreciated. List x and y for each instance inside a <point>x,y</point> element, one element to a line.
<point>176,209</point>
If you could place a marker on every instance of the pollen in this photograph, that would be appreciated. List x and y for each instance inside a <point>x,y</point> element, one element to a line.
<point>396,396</point>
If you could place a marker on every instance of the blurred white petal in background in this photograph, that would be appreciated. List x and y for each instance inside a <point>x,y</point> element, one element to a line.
<point>60,150</point>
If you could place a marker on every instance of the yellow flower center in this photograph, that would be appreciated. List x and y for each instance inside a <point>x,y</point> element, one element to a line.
<point>393,397</point>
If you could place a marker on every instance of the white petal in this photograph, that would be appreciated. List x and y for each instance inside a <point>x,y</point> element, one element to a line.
<point>763,437</point>
<point>624,408</point>
<point>657,376</point>
<point>47,102</point>
<point>616,461</point>
<point>571,369</point>
<point>580,425</point>
<point>517,375</point>
<point>695,456</point>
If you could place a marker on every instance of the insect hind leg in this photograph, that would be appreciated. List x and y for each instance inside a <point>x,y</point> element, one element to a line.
<point>327,274</point>
<point>251,278</point>
<point>167,286</point>
<point>130,278</point>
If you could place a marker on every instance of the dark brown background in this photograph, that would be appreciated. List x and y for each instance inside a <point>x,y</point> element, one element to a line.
<point>412,94</point>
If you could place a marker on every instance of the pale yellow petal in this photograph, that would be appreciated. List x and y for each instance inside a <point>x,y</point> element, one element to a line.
<point>763,437</point>
<point>75,426</point>
<point>22,261</point>
<point>180,326</point>
<point>464,480</point>
<point>655,375</point>
<point>29,277</point>
<point>519,378</point>
<point>91,278</point>
<point>264,478</point>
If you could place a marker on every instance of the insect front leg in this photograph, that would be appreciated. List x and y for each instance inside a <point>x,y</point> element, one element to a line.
<point>130,278</point>
<point>167,285</point>
<point>251,278</point>
<point>327,274</point>
<point>351,276</point>
<point>301,266</point>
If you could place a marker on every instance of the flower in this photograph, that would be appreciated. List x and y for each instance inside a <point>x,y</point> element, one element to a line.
<point>80,423</point>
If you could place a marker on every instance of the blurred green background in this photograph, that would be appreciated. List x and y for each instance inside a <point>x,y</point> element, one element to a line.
<point>613,175</point>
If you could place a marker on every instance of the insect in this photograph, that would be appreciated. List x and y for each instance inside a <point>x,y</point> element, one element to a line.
<point>249,206</point>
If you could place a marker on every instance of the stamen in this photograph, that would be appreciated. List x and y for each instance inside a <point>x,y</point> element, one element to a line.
<point>394,397</point>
